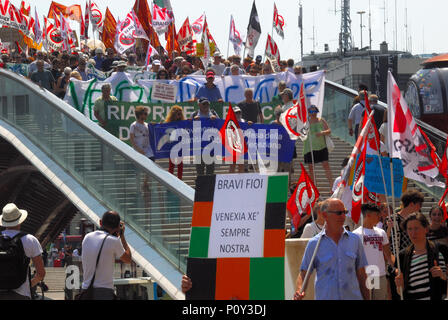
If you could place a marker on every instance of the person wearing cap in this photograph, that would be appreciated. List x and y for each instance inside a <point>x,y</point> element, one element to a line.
<point>155,66</point>
<point>99,58</point>
<point>12,219</point>
<point>63,81</point>
<point>209,90</point>
<point>121,66</point>
<point>217,65</point>
<point>99,108</point>
<point>204,112</point>
<point>315,146</point>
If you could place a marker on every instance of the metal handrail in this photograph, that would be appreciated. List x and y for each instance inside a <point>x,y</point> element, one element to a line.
<point>168,180</point>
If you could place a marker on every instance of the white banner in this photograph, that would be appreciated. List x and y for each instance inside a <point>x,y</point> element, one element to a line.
<point>238,216</point>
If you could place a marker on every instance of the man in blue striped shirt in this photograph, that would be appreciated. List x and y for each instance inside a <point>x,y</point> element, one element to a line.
<point>340,260</point>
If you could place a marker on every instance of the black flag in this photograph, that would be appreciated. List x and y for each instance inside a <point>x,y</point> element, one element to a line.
<point>253,31</point>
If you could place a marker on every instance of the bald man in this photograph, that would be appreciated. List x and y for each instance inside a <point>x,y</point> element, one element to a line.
<point>339,262</point>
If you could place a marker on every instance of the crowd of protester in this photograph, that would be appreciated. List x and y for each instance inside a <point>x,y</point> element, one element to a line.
<point>419,244</point>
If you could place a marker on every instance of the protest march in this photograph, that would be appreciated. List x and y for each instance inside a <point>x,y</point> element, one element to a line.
<point>247,126</point>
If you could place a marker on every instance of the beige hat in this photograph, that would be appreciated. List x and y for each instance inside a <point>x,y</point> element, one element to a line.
<point>12,216</point>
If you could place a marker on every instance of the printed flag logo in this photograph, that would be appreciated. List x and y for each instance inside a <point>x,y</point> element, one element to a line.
<point>232,137</point>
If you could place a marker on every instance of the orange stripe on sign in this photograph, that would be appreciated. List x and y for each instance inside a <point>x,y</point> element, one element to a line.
<point>232,279</point>
<point>202,214</point>
<point>274,243</point>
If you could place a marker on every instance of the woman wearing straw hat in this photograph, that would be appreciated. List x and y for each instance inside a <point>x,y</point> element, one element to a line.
<point>11,219</point>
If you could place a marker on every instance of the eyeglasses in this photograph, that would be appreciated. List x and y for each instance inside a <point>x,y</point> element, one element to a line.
<point>338,213</point>
<point>313,111</point>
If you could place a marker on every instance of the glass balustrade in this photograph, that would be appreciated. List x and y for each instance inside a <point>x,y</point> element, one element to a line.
<point>154,203</point>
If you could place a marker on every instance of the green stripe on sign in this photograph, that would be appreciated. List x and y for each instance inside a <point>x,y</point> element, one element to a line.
<point>277,189</point>
<point>199,242</point>
<point>267,279</point>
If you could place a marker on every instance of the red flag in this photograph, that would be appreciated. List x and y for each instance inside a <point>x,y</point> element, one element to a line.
<point>73,12</point>
<point>232,137</point>
<point>432,149</point>
<point>443,168</point>
<point>25,8</point>
<point>143,13</point>
<point>359,192</point>
<point>109,29</point>
<point>443,205</point>
<point>19,49</point>
<point>303,198</point>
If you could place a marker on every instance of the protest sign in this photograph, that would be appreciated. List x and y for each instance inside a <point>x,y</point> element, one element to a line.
<point>238,237</point>
<point>164,92</point>
<point>374,180</point>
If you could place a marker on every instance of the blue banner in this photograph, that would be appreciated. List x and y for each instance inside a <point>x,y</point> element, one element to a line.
<point>374,179</point>
<point>261,140</point>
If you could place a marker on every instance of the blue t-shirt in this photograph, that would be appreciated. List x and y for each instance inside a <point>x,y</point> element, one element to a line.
<point>212,94</point>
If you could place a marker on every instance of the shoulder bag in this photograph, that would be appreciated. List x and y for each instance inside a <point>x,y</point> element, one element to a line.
<point>87,294</point>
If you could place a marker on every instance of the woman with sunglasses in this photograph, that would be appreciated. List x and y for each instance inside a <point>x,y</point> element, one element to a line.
<point>176,114</point>
<point>316,141</point>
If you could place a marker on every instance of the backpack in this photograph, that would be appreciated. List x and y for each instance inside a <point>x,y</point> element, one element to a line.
<point>14,264</point>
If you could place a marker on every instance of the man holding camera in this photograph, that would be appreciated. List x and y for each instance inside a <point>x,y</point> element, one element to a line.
<point>100,250</point>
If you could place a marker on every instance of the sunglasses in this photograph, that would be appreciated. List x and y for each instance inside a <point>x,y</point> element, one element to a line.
<point>339,213</point>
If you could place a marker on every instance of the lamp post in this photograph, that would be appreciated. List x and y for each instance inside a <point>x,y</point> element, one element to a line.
<point>360,14</point>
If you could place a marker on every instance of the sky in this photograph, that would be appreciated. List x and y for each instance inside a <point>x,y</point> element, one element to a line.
<point>321,21</point>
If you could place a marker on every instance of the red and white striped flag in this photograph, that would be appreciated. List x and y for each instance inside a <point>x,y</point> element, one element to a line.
<point>151,52</point>
<point>406,141</point>
<point>278,23</point>
<point>272,49</point>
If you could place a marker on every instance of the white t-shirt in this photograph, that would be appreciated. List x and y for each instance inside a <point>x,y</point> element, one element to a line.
<point>218,68</point>
<point>310,230</point>
<point>356,113</point>
<point>112,250</point>
<point>373,241</point>
<point>32,249</point>
<point>141,133</point>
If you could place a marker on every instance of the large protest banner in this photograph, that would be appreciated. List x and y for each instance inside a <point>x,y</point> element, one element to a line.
<point>120,115</point>
<point>237,242</point>
<point>199,137</point>
<point>137,88</point>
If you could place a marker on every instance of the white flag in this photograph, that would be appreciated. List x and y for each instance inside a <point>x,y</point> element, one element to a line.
<point>405,140</point>
<point>161,19</point>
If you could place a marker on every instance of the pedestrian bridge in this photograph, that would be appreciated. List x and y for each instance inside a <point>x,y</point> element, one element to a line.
<point>96,172</point>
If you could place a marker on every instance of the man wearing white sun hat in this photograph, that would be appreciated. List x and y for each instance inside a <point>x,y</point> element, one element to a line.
<point>19,288</point>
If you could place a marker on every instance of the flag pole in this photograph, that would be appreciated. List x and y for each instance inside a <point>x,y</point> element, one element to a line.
<point>228,40</point>
<point>308,271</point>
